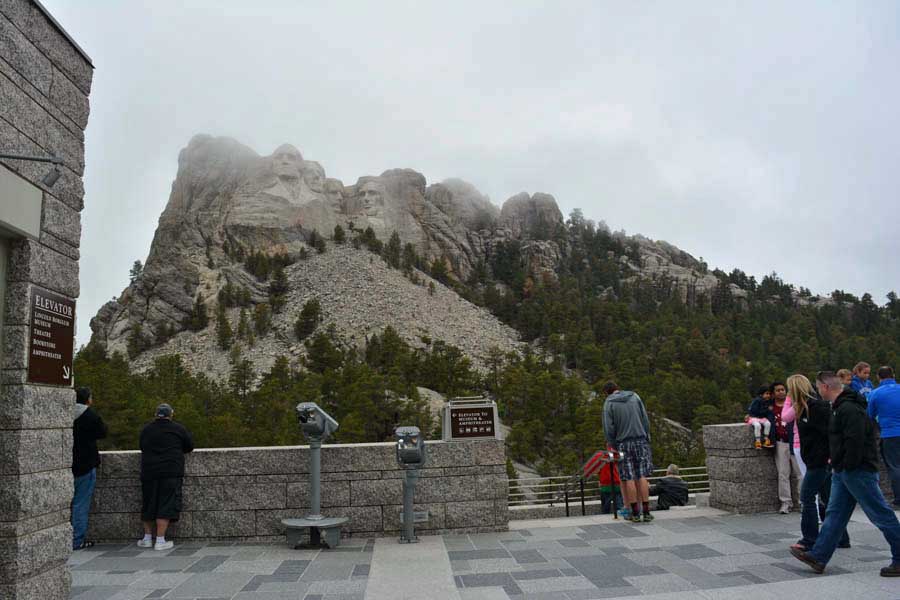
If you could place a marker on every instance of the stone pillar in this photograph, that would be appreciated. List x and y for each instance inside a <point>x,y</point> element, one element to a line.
<point>45,80</point>
<point>741,478</point>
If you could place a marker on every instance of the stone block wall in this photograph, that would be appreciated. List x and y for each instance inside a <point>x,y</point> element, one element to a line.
<point>741,478</point>
<point>45,81</point>
<point>242,494</point>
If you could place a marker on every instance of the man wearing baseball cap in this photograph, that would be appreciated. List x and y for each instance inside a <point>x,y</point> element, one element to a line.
<point>163,445</point>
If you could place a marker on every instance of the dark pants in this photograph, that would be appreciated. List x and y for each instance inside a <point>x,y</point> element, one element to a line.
<point>815,482</point>
<point>610,501</point>
<point>848,488</point>
<point>890,452</point>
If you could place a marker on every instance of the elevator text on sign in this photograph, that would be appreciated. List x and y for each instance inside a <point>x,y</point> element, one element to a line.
<point>472,422</point>
<point>52,338</point>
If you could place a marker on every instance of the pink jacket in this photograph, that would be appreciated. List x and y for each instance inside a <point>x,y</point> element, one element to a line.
<point>789,415</point>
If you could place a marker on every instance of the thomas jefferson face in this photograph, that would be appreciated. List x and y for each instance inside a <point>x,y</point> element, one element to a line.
<point>314,176</point>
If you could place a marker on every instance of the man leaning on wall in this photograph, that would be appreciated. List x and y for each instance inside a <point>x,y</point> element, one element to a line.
<point>163,445</point>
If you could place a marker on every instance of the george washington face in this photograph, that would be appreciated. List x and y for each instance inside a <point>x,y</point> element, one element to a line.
<point>287,162</point>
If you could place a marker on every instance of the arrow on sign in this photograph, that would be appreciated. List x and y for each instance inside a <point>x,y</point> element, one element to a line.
<point>66,372</point>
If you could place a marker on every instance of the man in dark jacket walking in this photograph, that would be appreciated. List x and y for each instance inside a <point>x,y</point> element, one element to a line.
<point>812,426</point>
<point>87,428</point>
<point>163,445</point>
<point>854,460</point>
<point>627,429</point>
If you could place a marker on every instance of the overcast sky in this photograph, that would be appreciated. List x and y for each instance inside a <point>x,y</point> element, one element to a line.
<point>763,136</point>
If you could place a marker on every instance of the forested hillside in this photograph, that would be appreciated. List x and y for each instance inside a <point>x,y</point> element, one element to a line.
<point>692,356</point>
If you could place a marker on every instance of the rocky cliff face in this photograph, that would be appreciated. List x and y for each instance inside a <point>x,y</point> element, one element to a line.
<point>227,201</point>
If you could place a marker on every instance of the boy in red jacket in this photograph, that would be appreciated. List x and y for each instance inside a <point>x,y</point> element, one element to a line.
<point>610,488</point>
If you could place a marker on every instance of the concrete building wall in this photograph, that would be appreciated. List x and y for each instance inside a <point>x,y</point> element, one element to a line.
<point>45,81</point>
<point>243,493</point>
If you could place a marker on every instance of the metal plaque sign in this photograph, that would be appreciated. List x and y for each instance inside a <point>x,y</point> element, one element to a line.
<point>51,338</point>
<point>467,419</point>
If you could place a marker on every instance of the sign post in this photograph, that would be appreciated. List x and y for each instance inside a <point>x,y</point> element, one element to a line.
<point>471,418</point>
<point>51,338</point>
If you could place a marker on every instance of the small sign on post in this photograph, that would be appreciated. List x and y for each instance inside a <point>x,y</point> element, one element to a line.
<point>51,338</point>
<point>471,418</point>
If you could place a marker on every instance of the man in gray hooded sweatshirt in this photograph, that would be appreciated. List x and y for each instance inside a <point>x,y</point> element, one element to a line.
<point>627,429</point>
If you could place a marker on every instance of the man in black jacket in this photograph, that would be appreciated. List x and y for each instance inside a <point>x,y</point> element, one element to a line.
<point>854,460</point>
<point>163,445</point>
<point>87,428</point>
<point>812,425</point>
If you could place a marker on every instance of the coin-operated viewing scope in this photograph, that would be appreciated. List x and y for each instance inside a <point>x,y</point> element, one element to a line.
<point>315,423</point>
<point>410,447</point>
<point>411,457</point>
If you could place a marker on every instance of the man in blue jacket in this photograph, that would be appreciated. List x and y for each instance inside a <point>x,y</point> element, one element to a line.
<point>884,407</point>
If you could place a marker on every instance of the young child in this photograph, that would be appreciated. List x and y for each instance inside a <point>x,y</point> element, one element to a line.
<point>610,489</point>
<point>760,415</point>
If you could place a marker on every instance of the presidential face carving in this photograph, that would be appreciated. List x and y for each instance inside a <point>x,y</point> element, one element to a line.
<point>371,195</point>
<point>314,176</point>
<point>287,162</point>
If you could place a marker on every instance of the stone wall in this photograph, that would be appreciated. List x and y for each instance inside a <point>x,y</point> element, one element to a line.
<point>741,478</point>
<point>243,493</point>
<point>45,81</point>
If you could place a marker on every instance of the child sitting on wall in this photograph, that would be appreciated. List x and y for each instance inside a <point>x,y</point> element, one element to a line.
<point>760,417</point>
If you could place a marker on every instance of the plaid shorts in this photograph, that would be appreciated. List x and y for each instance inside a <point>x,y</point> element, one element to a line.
<point>637,462</point>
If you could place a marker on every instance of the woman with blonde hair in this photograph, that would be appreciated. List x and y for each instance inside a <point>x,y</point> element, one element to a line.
<point>811,415</point>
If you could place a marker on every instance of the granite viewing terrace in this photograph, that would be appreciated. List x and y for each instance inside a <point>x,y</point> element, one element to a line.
<point>685,553</point>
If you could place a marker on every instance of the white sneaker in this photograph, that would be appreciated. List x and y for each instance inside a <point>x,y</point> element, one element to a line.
<point>166,545</point>
<point>785,509</point>
<point>142,543</point>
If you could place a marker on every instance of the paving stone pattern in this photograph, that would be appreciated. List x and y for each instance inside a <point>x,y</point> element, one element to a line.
<point>725,556</point>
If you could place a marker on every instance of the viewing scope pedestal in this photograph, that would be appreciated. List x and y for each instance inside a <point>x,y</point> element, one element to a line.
<point>324,532</point>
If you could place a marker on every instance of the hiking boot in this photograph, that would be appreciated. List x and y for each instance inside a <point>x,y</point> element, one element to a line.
<point>758,445</point>
<point>636,518</point>
<point>648,518</point>
<point>891,571</point>
<point>815,565</point>
<point>768,443</point>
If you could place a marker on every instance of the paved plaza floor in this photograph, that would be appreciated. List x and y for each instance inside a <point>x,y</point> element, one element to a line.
<point>689,553</point>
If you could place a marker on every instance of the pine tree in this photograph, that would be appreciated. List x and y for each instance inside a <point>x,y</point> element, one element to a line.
<point>339,236</point>
<point>262,319</point>
<point>198,318</point>
<point>243,328</point>
<point>278,289</point>
<point>308,319</point>
<point>392,251</point>
<point>224,333</point>
<point>136,269</point>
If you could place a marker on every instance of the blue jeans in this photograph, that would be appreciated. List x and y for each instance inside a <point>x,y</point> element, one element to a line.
<point>890,452</point>
<point>81,506</point>
<point>815,482</point>
<point>848,488</point>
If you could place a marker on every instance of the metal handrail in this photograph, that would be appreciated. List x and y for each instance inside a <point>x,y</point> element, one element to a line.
<point>549,491</point>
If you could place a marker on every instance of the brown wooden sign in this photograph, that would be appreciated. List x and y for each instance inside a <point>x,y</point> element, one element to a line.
<point>52,338</point>
<point>472,422</point>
